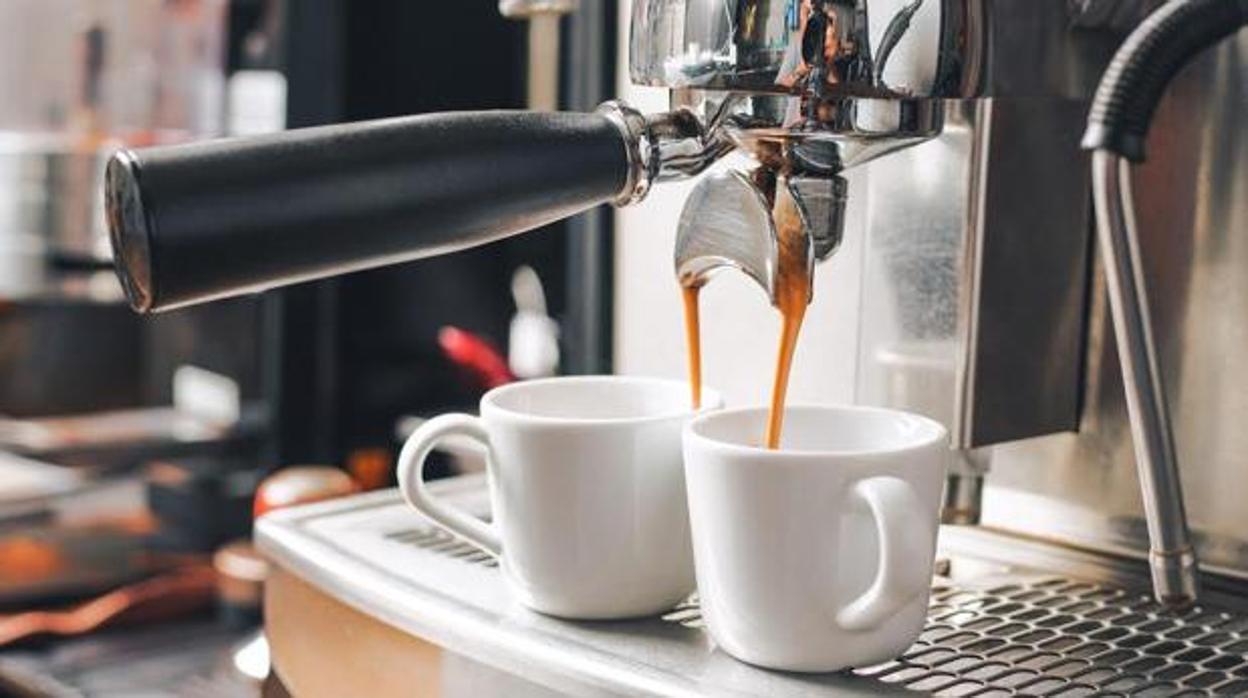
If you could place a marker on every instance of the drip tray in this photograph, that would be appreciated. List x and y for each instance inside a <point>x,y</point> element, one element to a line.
<point>1001,634</point>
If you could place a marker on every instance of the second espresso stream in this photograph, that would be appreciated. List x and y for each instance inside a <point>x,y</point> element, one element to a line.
<point>792,295</point>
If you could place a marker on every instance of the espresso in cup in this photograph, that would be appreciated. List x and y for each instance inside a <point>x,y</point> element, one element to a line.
<point>587,491</point>
<point>816,556</point>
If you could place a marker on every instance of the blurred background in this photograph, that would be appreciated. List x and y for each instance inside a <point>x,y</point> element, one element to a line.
<point>131,449</point>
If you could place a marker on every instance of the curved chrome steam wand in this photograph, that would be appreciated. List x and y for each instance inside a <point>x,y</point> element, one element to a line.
<point>1117,126</point>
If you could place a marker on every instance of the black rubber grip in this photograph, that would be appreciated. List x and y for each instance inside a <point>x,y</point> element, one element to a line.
<point>1146,62</point>
<point>196,222</point>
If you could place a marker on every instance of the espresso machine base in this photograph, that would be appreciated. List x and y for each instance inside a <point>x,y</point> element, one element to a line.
<point>1009,616</point>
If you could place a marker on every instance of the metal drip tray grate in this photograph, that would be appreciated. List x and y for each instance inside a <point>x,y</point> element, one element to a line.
<point>1050,637</point>
<point>1062,638</point>
<point>1014,634</point>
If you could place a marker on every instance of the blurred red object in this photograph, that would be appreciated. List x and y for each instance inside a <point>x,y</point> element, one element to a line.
<point>301,484</point>
<point>370,467</point>
<point>477,355</point>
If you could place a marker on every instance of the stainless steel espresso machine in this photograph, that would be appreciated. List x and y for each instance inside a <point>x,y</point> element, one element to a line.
<point>984,301</point>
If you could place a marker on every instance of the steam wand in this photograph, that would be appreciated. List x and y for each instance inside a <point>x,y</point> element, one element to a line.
<point>1117,127</point>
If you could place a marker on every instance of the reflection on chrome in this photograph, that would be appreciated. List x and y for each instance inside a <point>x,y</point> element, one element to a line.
<point>882,48</point>
<point>824,48</point>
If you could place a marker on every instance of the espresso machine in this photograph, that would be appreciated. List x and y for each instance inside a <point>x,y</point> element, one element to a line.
<point>983,301</point>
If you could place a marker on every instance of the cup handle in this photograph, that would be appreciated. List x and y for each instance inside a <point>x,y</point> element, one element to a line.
<point>411,479</point>
<point>906,534</point>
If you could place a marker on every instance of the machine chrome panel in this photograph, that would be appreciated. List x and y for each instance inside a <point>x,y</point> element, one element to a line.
<point>888,48</point>
<point>974,282</point>
<point>1193,225</point>
<point>924,280</point>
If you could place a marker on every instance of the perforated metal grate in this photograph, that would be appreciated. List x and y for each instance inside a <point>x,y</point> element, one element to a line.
<point>1055,637</point>
<point>1041,637</point>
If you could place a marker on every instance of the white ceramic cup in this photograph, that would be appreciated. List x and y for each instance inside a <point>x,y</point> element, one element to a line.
<point>817,556</point>
<point>587,491</point>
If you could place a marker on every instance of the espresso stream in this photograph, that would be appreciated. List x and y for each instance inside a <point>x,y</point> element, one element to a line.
<point>792,294</point>
<point>693,340</point>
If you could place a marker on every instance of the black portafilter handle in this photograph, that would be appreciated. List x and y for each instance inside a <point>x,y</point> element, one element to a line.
<point>197,222</point>
<point>1156,50</point>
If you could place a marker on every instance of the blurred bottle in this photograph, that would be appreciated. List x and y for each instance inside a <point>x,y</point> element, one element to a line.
<point>533,345</point>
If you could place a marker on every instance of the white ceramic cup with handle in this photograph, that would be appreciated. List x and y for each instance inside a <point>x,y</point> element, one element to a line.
<point>587,490</point>
<point>817,556</point>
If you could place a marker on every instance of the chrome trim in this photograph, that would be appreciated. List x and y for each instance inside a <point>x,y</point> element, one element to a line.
<point>664,147</point>
<point>632,127</point>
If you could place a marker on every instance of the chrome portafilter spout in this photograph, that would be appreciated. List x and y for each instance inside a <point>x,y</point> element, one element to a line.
<point>729,219</point>
<point>729,222</point>
<point>804,101</point>
<point>726,223</point>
